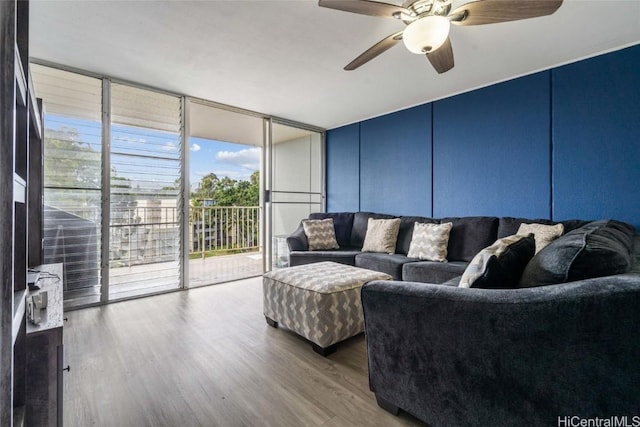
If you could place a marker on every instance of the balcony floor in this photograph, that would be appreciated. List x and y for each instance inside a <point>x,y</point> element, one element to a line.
<point>127,282</point>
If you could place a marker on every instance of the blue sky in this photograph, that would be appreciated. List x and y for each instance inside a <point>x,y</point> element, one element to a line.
<point>235,161</point>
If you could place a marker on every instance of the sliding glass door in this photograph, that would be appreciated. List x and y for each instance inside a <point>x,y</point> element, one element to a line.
<point>295,186</point>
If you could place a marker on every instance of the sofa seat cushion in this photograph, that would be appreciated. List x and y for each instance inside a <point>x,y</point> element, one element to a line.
<point>342,256</point>
<point>469,236</point>
<point>385,263</point>
<point>432,271</point>
<point>600,248</point>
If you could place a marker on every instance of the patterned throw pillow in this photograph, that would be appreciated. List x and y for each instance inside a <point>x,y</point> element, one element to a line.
<point>500,265</point>
<point>321,234</point>
<point>429,241</point>
<point>544,234</point>
<point>382,235</point>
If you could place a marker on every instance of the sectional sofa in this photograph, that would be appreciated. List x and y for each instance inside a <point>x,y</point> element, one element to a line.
<point>559,346</point>
<point>468,236</point>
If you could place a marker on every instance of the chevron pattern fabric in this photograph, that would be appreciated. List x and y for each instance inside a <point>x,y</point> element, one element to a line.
<point>319,301</point>
<point>478,267</point>
<point>382,235</point>
<point>543,234</point>
<point>321,234</point>
<point>429,241</point>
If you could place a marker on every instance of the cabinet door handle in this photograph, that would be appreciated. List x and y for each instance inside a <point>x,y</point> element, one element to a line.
<point>66,319</point>
<point>68,368</point>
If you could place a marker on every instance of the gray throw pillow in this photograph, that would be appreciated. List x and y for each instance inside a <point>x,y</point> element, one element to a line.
<point>429,241</point>
<point>320,233</point>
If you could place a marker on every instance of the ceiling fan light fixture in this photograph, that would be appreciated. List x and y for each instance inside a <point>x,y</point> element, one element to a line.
<point>426,34</point>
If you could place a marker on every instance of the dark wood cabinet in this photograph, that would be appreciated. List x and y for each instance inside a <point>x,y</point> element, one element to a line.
<point>45,353</point>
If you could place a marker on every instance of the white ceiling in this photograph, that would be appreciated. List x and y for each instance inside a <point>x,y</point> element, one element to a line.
<point>285,58</point>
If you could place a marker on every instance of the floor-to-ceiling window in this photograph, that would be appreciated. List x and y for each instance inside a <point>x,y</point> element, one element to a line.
<point>72,179</point>
<point>147,191</point>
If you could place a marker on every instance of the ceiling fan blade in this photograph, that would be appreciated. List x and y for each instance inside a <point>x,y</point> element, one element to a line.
<point>494,11</point>
<point>374,51</point>
<point>365,7</point>
<point>442,58</point>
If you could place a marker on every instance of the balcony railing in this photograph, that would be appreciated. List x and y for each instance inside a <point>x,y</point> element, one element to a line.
<point>223,229</point>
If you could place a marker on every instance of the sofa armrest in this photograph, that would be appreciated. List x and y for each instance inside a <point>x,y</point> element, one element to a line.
<point>454,356</point>
<point>297,241</point>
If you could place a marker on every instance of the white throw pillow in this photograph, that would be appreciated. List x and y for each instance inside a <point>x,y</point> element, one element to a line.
<point>429,241</point>
<point>544,234</point>
<point>382,235</point>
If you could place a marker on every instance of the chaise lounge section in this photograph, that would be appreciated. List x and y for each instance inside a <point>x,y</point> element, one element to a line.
<point>563,341</point>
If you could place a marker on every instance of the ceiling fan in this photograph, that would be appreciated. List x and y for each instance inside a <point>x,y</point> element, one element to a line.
<point>428,23</point>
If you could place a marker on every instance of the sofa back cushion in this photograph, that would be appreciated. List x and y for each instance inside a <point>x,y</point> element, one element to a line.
<point>405,235</point>
<point>342,223</point>
<point>470,235</point>
<point>359,230</point>
<point>600,248</point>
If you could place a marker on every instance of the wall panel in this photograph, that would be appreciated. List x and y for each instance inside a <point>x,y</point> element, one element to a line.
<point>395,162</point>
<point>561,143</point>
<point>343,168</point>
<point>596,128</point>
<point>491,151</point>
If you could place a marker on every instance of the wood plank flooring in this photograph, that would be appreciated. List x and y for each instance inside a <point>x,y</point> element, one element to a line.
<point>206,357</point>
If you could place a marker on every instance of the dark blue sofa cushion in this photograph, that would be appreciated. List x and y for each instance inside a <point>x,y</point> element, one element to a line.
<point>432,271</point>
<point>600,248</point>
<point>469,236</point>
<point>385,263</point>
<point>342,256</point>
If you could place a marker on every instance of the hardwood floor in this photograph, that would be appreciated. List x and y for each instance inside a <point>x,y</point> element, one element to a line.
<point>206,357</point>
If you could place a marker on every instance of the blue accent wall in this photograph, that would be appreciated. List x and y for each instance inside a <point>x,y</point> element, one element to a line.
<point>491,151</point>
<point>596,138</point>
<point>395,163</point>
<point>343,169</point>
<point>559,144</point>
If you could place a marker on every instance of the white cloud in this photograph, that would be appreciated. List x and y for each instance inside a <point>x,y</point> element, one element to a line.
<point>129,139</point>
<point>248,158</point>
<point>169,146</point>
<point>195,147</point>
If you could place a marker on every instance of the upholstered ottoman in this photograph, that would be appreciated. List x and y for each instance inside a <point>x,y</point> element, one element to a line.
<point>319,301</point>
